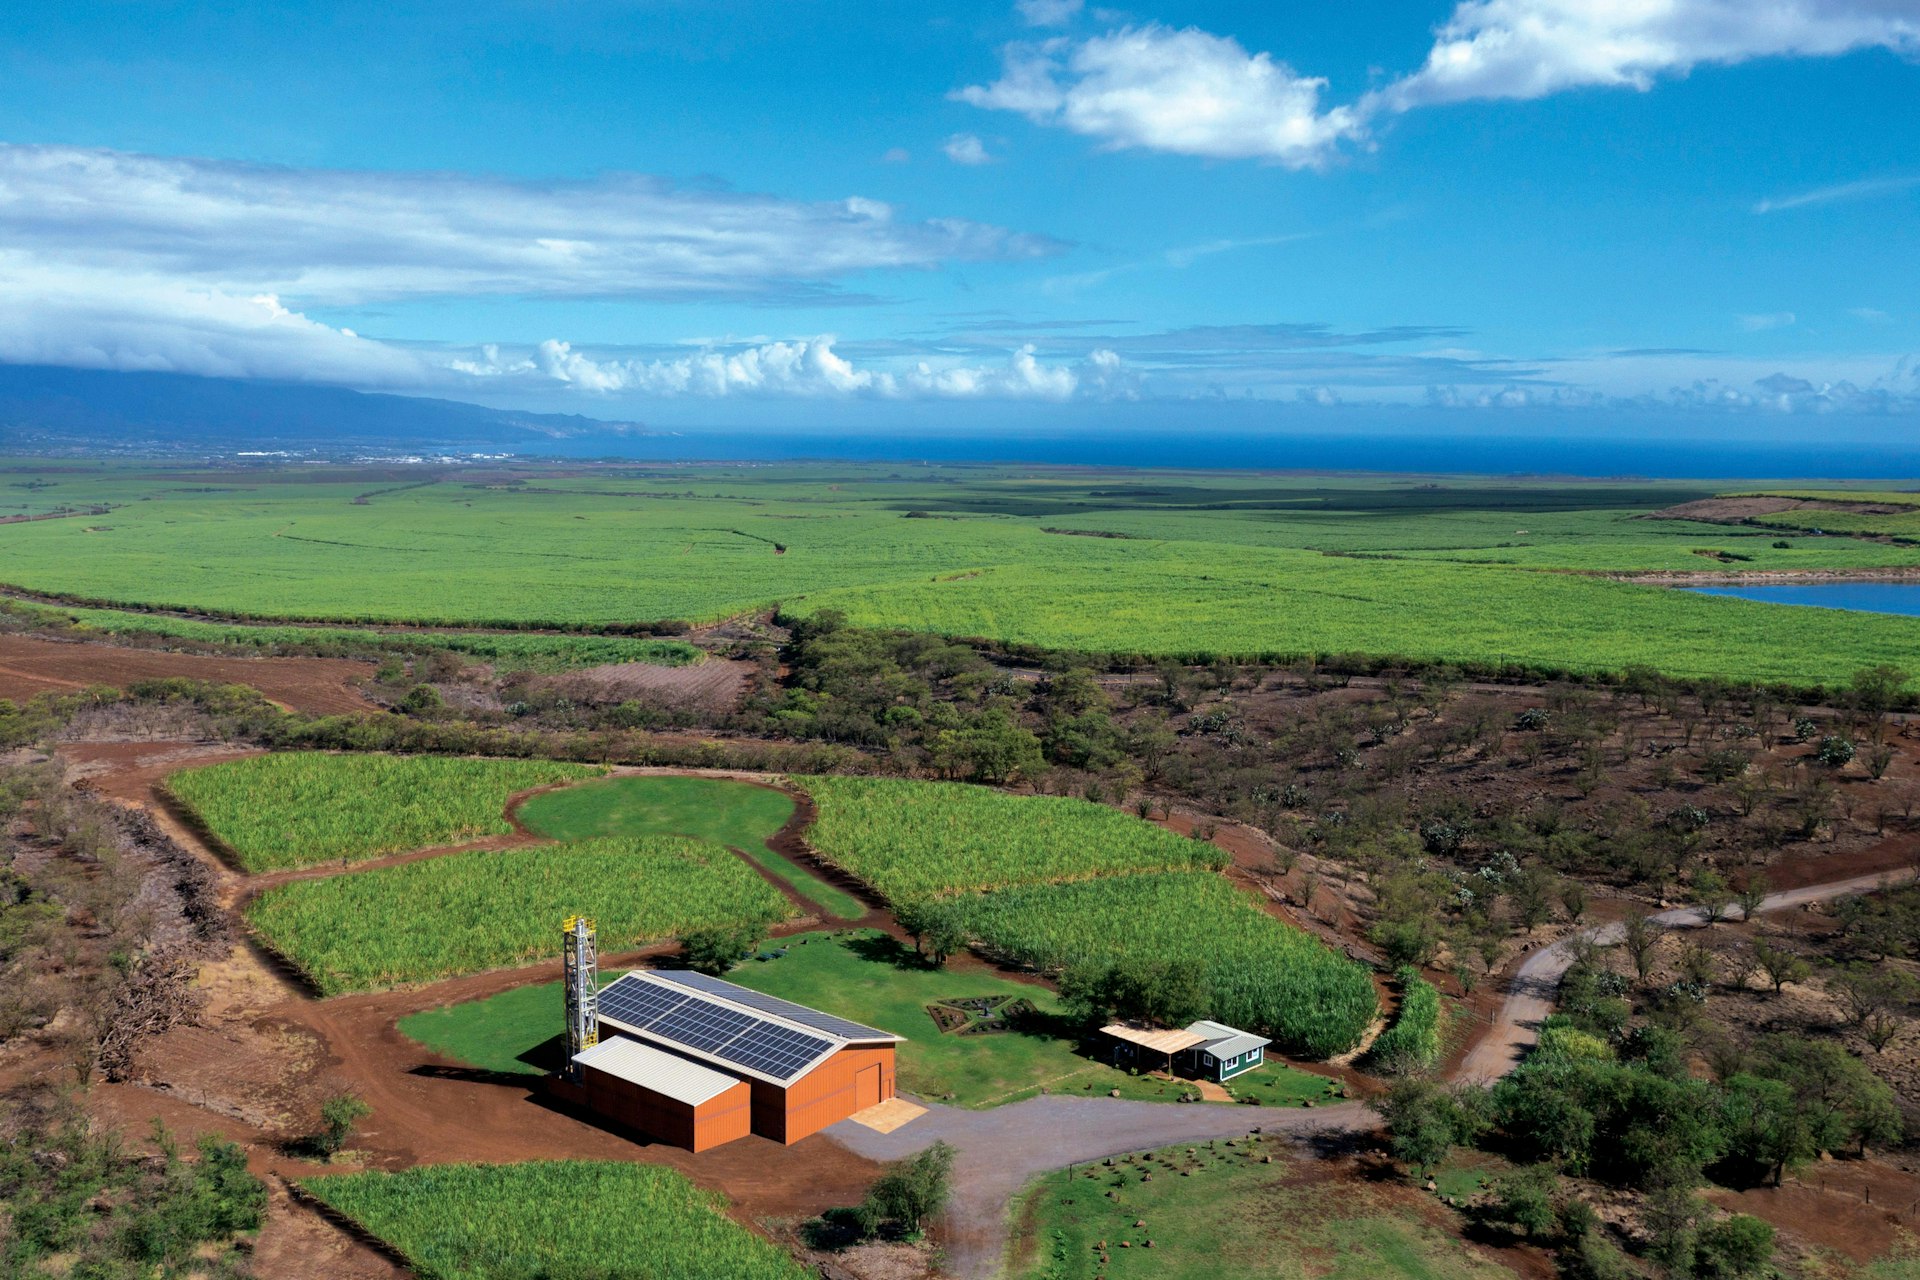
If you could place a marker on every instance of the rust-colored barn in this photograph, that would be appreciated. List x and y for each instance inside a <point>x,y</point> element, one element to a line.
<point>697,1061</point>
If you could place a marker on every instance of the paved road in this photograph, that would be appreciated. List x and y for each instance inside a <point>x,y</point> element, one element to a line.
<point>1001,1150</point>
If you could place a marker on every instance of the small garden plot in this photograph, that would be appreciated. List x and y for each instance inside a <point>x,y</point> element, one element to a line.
<point>300,808</point>
<point>1220,1209</point>
<point>916,839</point>
<point>1262,974</point>
<point>467,912</point>
<point>740,815</point>
<point>553,1220</point>
<point>979,1015</point>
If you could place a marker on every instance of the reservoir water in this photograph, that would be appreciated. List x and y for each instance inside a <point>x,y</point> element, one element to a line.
<point>1861,597</point>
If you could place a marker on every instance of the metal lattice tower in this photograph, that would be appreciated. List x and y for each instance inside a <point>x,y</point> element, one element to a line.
<point>582,962</point>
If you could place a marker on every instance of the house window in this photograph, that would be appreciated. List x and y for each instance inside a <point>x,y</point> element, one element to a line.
<point>1208,1058</point>
<point>1254,1056</point>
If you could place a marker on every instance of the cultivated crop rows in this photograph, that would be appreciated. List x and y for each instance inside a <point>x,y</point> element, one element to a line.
<point>1263,975</point>
<point>466,912</point>
<point>300,808</point>
<point>557,1220</point>
<point>918,839</point>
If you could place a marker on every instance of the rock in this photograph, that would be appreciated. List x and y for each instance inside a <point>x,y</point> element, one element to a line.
<point>1307,1102</point>
<point>1113,1093</point>
<point>1139,1222</point>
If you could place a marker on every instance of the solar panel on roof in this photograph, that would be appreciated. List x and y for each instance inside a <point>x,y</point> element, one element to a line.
<point>639,1004</point>
<point>777,1051</point>
<point>792,1012</point>
<point>702,1025</point>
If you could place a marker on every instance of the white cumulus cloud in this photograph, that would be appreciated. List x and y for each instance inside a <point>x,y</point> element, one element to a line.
<point>1531,48</point>
<point>1185,91</point>
<point>811,367</point>
<point>965,148</point>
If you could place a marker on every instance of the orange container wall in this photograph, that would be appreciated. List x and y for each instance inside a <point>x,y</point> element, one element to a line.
<point>723,1118</point>
<point>719,1119</point>
<point>851,1080</point>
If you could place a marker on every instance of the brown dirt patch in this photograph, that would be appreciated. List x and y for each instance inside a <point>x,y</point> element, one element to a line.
<point>716,685</point>
<point>1860,1209</point>
<point>322,686</point>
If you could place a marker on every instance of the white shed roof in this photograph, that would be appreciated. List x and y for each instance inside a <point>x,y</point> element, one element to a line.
<point>651,1068</point>
<point>1223,1041</point>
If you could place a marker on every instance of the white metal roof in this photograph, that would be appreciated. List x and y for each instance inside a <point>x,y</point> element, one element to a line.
<point>1223,1041</point>
<point>661,1072</point>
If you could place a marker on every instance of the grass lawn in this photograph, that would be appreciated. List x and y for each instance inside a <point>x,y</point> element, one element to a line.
<point>739,815</point>
<point>1230,1215</point>
<point>865,976</point>
<point>521,1031</point>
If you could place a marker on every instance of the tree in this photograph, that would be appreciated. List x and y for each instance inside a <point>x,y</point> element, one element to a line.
<point>1780,965</point>
<point>1765,1131</point>
<point>1871,996</point>
<point>1425,1119</point>
<point>1734,1248</point>
<point>908,1194</point>
<point>1839,1098</point>
<point>718,949</point>
<point>1752,893</point>
<point>993,749</point>
<point>338,1115</point>
<point>1168,992</point>
<point>1525,1199</point>
<point>1573,896</point>
<point>1874,691</point>
<point>1638,933</point>
<point>1835,752</point>
<point>1710,895</point>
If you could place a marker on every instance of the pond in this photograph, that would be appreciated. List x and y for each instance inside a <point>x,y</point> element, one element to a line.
<point>1860,597</point>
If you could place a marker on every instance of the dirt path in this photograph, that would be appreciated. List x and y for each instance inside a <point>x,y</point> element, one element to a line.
<point>1531,991</point>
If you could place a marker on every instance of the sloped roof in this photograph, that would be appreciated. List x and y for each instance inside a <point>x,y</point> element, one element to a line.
<point>661,1072</point>
<point>1152,1038</point>
<point>1223,1041</point>
<point>734,1028</point>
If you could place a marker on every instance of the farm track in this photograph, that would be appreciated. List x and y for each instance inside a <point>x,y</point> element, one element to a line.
<point>355,1043</point>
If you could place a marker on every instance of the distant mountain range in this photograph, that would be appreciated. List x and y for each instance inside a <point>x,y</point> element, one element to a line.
<point>43,407</point>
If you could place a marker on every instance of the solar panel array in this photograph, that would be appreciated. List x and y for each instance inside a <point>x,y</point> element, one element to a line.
<point>792,1012</point>
<point>693,1019</point>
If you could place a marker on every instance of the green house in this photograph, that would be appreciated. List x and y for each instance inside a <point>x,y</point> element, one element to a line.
<point>1224,1054</point>
<point>1207,1050</point>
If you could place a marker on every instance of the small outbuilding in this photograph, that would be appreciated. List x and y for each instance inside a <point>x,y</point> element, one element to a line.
<point>1206,1050</point>
<point>663,1096</point>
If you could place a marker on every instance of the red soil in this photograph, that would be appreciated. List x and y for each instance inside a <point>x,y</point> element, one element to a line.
<point>30,666</point>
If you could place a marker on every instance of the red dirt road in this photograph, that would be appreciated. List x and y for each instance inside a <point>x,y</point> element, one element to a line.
<point>30,666</point>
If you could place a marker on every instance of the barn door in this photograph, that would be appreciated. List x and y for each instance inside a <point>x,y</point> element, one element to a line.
<point>866,1087</point>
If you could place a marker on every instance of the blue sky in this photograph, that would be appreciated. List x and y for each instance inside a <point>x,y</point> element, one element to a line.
<point>1048,213</point>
